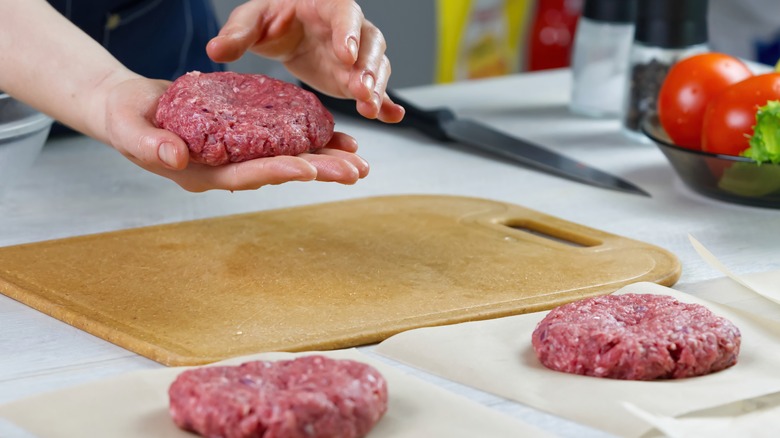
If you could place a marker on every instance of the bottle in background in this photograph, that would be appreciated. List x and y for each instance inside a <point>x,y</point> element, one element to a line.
<point>479,38</point>
<point>551,35</point>
<point>600,59</point>
<point>666,31</point>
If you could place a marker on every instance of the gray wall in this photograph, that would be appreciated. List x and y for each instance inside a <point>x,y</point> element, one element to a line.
<point>409,27</point>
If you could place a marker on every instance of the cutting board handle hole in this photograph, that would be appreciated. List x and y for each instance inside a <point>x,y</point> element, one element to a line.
<point>555,234</point>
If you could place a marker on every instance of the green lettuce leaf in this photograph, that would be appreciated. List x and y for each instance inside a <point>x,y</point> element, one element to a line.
<point>765,142</point>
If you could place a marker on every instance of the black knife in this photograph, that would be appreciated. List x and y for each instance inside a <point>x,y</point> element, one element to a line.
<point>442,124</point>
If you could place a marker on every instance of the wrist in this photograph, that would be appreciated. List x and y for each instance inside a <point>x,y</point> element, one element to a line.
<point>96,123</point>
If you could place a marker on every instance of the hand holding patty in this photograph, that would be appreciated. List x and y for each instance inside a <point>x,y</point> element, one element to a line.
<point>66,74</point>
<point>328,44</point>
<point>129,107</point>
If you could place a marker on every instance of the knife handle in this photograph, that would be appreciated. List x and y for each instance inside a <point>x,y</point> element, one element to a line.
<point>429,122</point>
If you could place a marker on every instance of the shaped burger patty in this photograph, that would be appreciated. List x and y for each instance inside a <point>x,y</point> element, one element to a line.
<point>228,117</point>
<point>635,337</point>
<point>310,396</point>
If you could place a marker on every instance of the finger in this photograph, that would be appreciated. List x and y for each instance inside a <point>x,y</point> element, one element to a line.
<point>342,142</point>
<point>248,175</point>
<point>382,76</point>
<point>346,19</point>
<point>391,112</point>
<point>378,93</point>
<point>332,169</point>
<point>365,72</point>
<point>366,109</point>
<point>355,160</point>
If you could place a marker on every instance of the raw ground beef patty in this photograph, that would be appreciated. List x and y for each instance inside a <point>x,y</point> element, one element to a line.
<point>311,396</point>
<point>229,117</point>
<point>635,337</point>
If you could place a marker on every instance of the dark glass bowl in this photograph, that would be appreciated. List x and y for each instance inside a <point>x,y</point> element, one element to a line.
<point>724,177</point>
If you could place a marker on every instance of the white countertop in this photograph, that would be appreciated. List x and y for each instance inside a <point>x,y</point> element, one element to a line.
<point>78,186</point>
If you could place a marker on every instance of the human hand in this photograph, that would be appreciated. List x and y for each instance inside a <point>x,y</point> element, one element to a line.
<point>129,107</point>
<point>328,44</point>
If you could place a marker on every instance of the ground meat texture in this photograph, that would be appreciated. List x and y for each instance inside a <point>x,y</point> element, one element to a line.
<point>229,117</point>
<point>311,396</point>
<point>635,337</point>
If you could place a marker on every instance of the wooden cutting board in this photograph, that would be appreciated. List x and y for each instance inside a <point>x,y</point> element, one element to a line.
<point>322,276</point>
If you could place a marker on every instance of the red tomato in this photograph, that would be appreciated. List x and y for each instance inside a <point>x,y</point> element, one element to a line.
<point>729,119</point>
<point>689,86</point>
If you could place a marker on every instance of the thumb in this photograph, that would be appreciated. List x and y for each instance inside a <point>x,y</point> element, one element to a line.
<point>151,146</point>
<point>245,26</point>
<point>172,153</point>
<point>269,31</point>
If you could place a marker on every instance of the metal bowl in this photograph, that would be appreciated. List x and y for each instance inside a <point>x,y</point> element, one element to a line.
<point>23,131</point>
<point>724,177</point>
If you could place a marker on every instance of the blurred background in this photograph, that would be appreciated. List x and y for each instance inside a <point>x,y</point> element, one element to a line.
<point>438,41</point>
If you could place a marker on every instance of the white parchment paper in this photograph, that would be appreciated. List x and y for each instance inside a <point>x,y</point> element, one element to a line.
<point>496,356</point>
<point>763,289</point>
<point>754,418</point>
<point>135,405</point>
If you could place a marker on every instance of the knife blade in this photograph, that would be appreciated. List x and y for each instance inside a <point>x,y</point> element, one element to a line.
<point>443,125</point>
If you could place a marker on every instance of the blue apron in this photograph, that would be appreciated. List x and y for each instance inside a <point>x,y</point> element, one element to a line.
<point>161,39</point>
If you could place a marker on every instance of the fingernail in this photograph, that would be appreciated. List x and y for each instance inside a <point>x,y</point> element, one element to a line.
<point>167,153</point>
<point>368,81</point>
<point>377,101</point>
<point>353,48</point>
